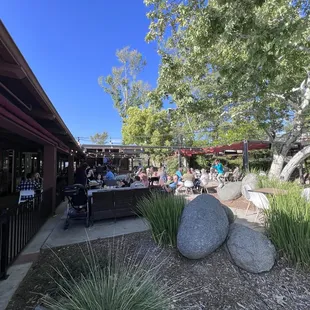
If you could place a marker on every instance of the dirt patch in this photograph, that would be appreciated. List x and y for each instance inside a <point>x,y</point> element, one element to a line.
<point>217,283</point>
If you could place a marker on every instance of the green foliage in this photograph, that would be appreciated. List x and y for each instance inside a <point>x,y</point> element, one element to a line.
<point>202,161</point>
<point>230,132</point>
<point>147,127</point>
<point>99,138</point>
<point>122,284</point>
<point>123,86</point>
<point>236,62</point>
<point>172,164</point>
<point>265,182</point>
<point>163,214</point>
<point>288,225</point>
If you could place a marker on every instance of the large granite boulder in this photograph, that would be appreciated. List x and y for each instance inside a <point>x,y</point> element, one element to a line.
<point>250,179</point>
<point>230,191</point>
<point>203,228</point>
<point>249,249</point>
<point>230,214</point>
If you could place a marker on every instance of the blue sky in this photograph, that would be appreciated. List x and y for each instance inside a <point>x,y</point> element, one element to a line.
<point>69,44</point>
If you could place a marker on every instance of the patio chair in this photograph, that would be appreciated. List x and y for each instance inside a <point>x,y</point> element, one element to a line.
<point>189,186</point>
<point>226,176</point>
<point>259,200</point>
<point>306,194</point>
<point>204,186</point>
<point>247,196</point>
<point>26,195</point>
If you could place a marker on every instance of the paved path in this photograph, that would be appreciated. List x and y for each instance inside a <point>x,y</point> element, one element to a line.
<point>53,235</point>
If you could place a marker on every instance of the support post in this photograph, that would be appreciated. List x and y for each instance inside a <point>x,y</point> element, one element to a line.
<point>50,172</point>
<point>179,159</point>
<point>245,156</point>
<point>70,169</point>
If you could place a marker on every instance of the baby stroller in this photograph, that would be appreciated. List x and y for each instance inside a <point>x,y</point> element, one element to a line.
<point>77,206</point>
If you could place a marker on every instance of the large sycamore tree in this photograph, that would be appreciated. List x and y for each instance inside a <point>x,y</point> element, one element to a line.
<point>123,84</point>
<point>238,61</point>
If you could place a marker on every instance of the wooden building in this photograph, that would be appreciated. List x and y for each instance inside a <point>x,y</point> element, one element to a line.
<point>33,138</point>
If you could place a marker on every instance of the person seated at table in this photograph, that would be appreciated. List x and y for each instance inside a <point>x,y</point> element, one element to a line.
<point>109,175</point>
<point>188,176</point>
<point>162,176</point>
<point>137,182</point>
<point>90,173</point>
<point>204,178</point>
<point>143,178</point>
<point>127,181</point>
<point>169,180</point>
<point>172,186</point>
<point>99,179</point>
<point>28,184</point>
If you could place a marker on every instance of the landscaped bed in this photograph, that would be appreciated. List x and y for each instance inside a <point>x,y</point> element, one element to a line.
<point>216,283</point>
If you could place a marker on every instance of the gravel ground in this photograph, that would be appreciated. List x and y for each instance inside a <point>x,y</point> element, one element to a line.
<point>217,284</point>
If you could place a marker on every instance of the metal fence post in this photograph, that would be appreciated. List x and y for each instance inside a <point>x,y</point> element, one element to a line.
<point>4,243</point>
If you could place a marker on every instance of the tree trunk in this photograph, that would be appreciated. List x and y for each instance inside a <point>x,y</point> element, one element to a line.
<point>276,165</point>
<point>296,160</point>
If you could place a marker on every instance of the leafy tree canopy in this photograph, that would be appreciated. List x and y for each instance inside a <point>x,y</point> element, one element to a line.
<point>99,138</point>
<point>123,84</point>
<point>249,59</point>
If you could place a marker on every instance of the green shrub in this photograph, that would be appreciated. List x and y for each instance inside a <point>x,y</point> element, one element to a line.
<point>264,182</point>
<point>163,213</point>
<point>288,225</point>
<point>125,283</point>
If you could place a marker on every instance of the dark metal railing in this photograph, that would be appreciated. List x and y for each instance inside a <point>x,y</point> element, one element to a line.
<point>18,224</point>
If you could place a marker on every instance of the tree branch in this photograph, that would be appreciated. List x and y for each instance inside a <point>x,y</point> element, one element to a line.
<point>289,101</point>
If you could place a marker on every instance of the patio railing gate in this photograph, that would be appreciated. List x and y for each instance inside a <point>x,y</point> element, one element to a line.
<point>18,224</point>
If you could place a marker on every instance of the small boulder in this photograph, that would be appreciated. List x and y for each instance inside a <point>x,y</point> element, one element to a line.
<point>229,191</point>
<point>203,228</point>
<point>249,249</point>
<point>250,179</point>
<point>230,214</point>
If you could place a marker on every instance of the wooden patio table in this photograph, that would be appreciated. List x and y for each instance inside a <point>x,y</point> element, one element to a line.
<point>269,191</point>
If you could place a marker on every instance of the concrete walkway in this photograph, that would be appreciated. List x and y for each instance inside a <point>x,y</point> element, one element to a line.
<point>52,234</point>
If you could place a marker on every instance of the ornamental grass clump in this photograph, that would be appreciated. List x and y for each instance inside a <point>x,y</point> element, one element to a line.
<point>126,282</point>
<point>288,225</point>
<point>163,213</point>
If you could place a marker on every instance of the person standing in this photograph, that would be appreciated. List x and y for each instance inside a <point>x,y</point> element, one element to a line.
<point>80,176</point>
<point>220,172</point>
<point>28,184</point>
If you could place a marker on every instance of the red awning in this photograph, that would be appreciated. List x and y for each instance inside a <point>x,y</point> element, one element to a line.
<point>252,145</point>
